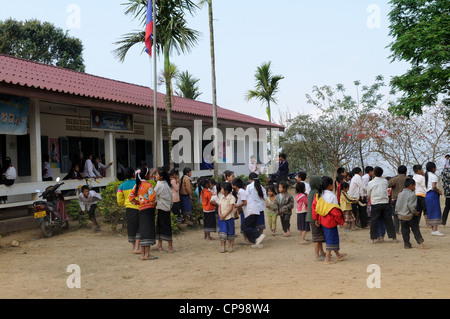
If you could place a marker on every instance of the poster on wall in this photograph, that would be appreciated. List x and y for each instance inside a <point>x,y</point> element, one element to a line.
<point>13,114</point>
<point>55,161</point>
<point>112,121</point>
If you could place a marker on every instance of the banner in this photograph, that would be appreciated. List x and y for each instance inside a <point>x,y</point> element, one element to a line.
<point>13,114</point>
<point>112,121</point>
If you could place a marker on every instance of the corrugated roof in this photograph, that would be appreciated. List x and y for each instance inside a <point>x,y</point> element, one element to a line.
<point>45,77</point>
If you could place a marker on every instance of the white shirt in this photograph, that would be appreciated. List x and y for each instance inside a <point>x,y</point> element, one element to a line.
<point>446,163</point>
<point>377,191</point>
<point>307,187</point>
<point>420,184</point>
<point>11,173</point>
<point>357,187</point>
<point>432,178</point>
<point>93,198</point>
<point>260,203</point>
<point>89,169</point>
<point>365,179</point>
<point>250,207</point>
<point>329,197</point>
<point>48,169</point>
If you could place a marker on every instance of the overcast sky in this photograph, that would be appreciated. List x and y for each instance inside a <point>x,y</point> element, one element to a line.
<point>308,42</point>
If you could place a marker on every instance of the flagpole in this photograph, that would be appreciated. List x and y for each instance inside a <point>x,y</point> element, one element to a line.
<point>155,95</point>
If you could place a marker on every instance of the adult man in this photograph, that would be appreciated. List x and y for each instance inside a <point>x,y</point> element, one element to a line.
<point>358,190</point>
<point>283,168</point>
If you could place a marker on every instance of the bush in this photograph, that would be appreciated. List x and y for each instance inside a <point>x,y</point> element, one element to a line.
<point>73,209</point>
<point>110,210</point>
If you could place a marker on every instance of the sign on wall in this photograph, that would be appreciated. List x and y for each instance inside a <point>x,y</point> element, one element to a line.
<point>111,121</point>
<point>13,114</point>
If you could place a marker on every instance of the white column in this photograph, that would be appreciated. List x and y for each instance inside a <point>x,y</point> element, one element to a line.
<point>34,120</point>
<point>110,154</point>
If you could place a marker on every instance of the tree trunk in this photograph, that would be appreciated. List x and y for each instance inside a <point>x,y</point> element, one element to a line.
<point>214,96</point>
<point>168,100</point>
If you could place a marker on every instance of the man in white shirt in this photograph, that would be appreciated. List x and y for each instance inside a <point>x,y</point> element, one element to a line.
<point>358,190</point>
<point>446,161</point>
<point>381,208</point>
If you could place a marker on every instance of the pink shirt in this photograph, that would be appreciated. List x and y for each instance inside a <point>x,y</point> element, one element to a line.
<point>302,203</point>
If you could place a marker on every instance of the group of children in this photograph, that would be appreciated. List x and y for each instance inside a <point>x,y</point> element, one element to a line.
<point>322,206</point>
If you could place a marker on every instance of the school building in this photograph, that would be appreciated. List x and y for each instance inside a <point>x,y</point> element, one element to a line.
<point>47,110</point>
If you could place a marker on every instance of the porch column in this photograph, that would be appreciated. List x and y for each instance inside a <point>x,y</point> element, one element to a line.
<point>35,142</point>
<point>110,154</point>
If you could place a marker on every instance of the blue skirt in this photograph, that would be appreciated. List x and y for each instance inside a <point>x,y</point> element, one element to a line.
<point>186,205</point>
<point>261,223</point>
<point>433,205</point>
<point>331,238</point>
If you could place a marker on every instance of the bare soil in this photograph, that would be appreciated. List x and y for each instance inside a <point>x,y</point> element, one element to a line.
<point>283,269</point>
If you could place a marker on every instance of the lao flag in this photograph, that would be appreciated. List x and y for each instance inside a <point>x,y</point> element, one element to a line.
<point>149,29</point>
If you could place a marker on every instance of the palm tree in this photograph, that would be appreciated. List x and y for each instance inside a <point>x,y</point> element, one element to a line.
<point>172,34</point>
<point>266,87</point>
<point>213,77</point>
<point>187,84</point>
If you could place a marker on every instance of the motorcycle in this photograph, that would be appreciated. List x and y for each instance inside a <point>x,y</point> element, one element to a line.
<point>51,212</point>
<point>291,180</point>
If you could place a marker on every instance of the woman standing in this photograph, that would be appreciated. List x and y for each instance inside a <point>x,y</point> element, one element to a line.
<point>432,201</point>
<point>144,195</point>
<point>163,193</point>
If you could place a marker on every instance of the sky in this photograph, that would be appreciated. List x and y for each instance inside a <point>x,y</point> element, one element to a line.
<point>321,42</point>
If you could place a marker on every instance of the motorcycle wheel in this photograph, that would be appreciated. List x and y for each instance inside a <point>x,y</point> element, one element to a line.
<point>46,228</point>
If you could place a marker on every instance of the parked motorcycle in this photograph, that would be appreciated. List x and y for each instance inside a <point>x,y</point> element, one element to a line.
<point>291,180</point>
<point>51,212</point>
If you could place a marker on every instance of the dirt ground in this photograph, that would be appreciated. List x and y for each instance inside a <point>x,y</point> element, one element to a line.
<point>283,269</point>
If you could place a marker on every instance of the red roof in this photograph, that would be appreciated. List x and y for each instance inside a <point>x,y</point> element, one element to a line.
<point>30,74</point>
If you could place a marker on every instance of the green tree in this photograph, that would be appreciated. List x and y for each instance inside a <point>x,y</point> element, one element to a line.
<point>173,34</point>
<point>266,87</point>
<point>421,33</point>
<point>41,42</point>
<point>187,86</point>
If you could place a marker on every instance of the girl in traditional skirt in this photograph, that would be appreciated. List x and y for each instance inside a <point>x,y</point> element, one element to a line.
<point>186,195</point>
<point>258,193</point>
<point>318,237</point>
<point>432,200</point>
<point>175,182</point>
<point>163,193</point>
<point>302,206</point>
<point>327,213</point>
<point>209,210</point>
<point>132,210</point>
<point>346,206</point>
<point>226,217</point>
<point>144,195</point>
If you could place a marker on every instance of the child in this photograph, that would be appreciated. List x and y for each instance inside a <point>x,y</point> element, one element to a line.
<point>302,207</point>
<point>271,213</point>
<point>250,214</point>
<point>176,204</point>
<point>226,217</point>
<point>432,200</point>
<point>144,195</point>
<point>186,195</point>
<point>163,198</point>
<point>283,205</point>
<point>258,193</point>
<point>421,192</point>
<point>406,210</point>
<point>337,184</point>
<point>132,210</point>
<point>326,212</point>
<point>318,237</point>
<point>346,206</point>
<point>88,200</point>
<point>209,210</point>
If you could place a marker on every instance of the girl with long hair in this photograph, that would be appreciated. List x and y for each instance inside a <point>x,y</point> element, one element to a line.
<point>432,200</point>
<point>163,193</point>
